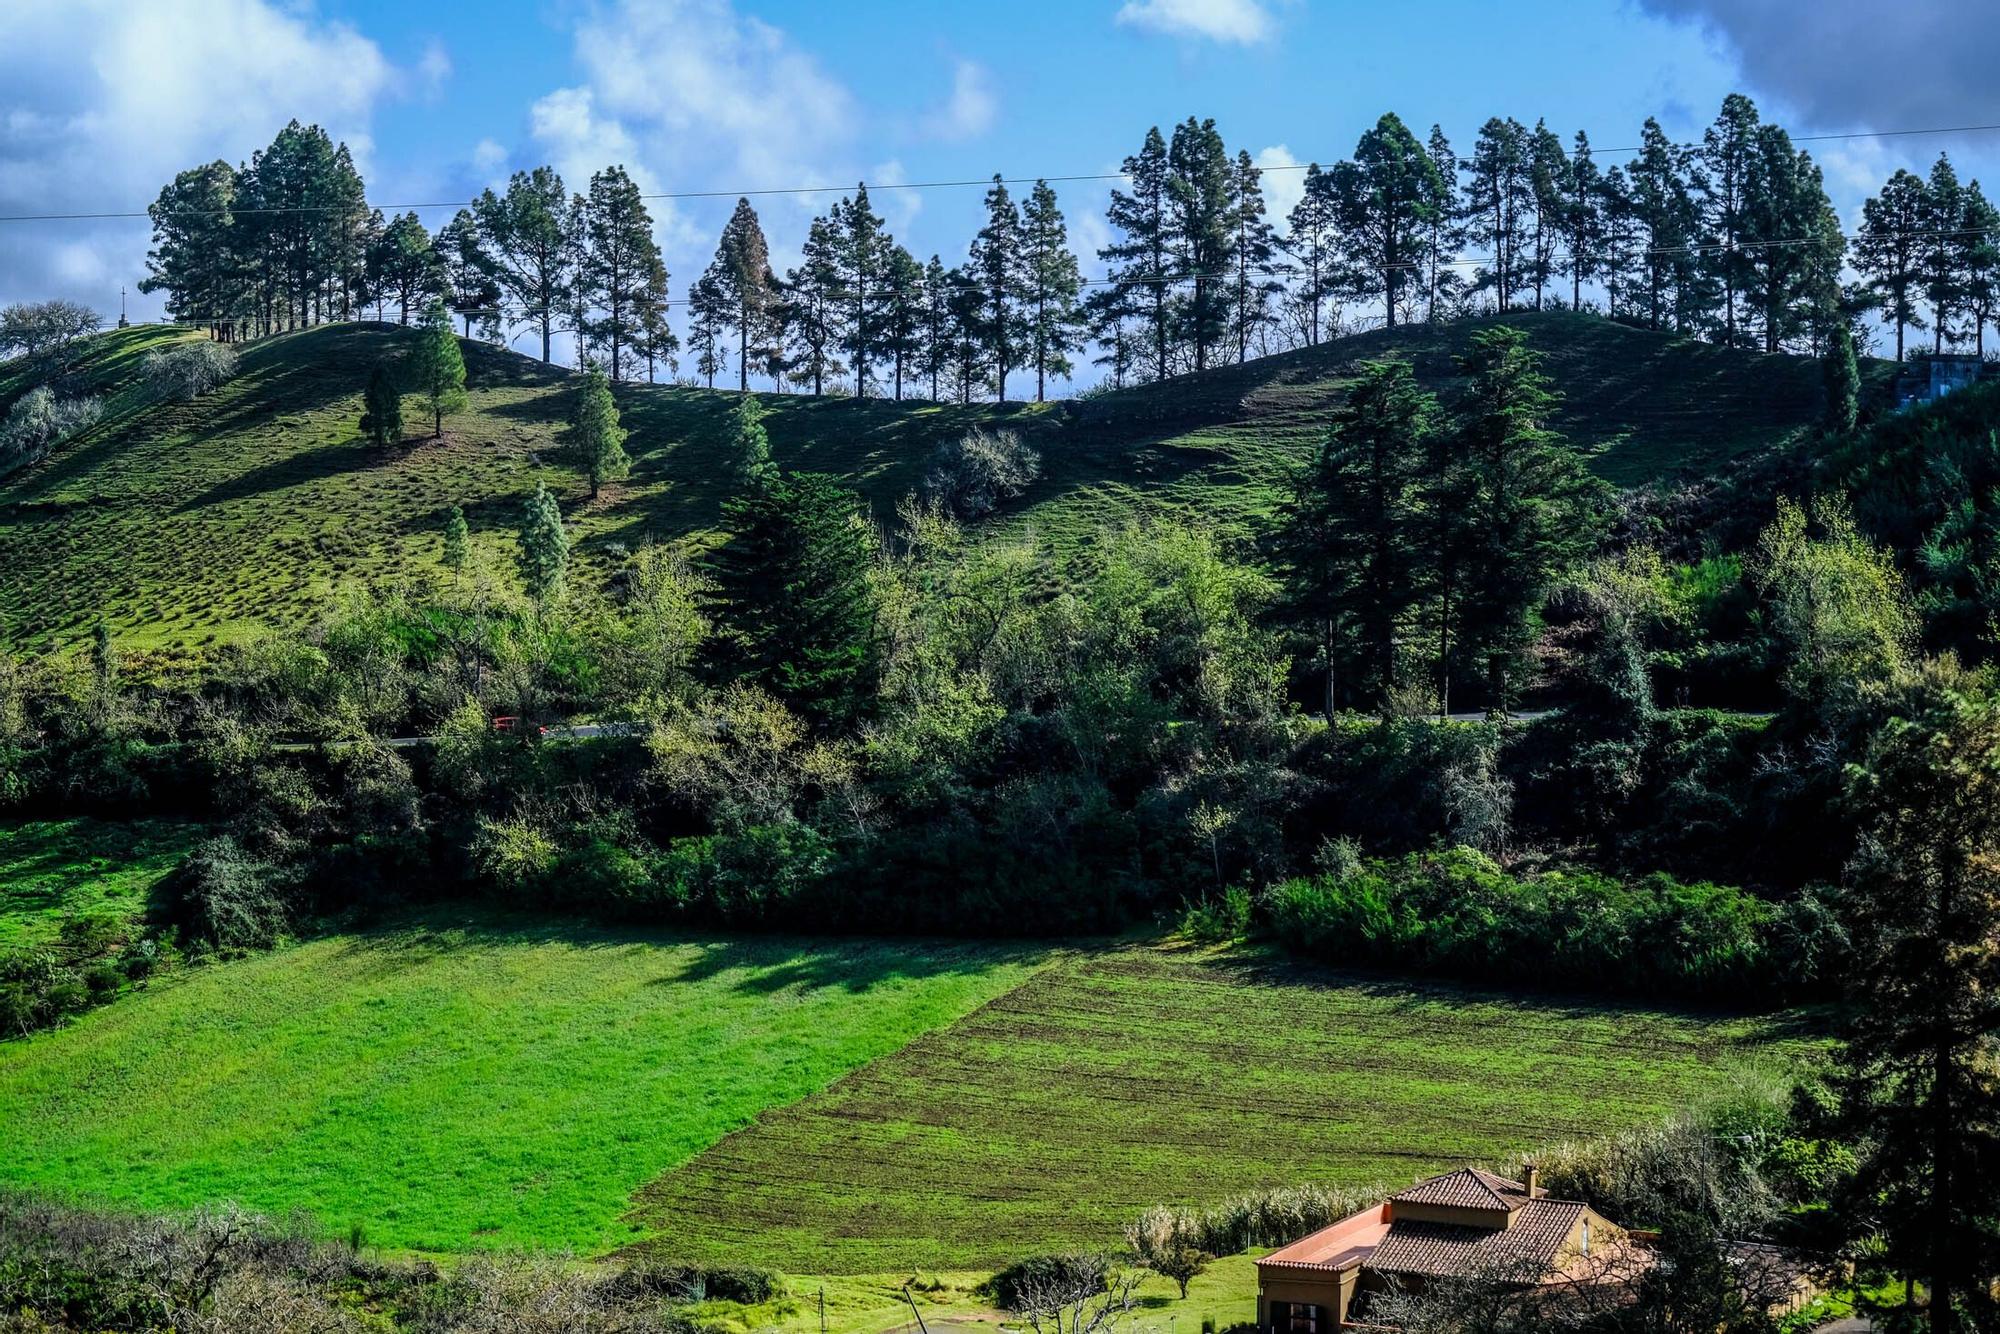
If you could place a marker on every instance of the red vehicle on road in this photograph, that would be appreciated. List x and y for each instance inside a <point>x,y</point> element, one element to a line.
<point>511,726</point>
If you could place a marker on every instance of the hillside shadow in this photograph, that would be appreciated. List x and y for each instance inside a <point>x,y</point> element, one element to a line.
<point>758,964</point>
<point>318,463</point>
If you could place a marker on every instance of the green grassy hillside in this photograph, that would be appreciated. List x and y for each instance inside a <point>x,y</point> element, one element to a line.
<point>469,1082</point>
<point>461,1083</point>
<point>184,525</point>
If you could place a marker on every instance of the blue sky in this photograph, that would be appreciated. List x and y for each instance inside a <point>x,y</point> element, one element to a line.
<point>100,100</point>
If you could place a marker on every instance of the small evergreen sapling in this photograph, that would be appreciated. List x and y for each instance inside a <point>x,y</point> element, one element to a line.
<point>456,539</point>
<point>382,417</point>
<point>438,368</point>
<point>596,436</point>
<point>544,554</point>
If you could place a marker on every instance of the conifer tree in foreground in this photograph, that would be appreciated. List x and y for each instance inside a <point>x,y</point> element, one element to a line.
<point>596,438</point>
<point>794,599</point>
<point>382,405</point>
<point>544,546</point>
<point>1920,1090</point>
<point>457,540</point>
<point>751,445</point>
<point>437,368</point>
<point>1843,382</point>
<point>1354,532</point>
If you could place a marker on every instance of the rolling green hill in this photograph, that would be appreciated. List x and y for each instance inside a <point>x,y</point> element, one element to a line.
<point>185,525</point>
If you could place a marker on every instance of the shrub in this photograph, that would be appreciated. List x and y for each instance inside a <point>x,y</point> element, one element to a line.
<point>227,899</point>
<point>1079,1270</point>
<point>39,421</point>
<point>974,474</point>
<point>1459,913</point>
<point>184,372</point>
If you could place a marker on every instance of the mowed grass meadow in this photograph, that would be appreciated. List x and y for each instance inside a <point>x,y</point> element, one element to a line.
<point>449,1085</point>
<point>821,1106</point>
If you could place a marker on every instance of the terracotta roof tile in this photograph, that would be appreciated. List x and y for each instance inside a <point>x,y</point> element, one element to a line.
<point>1527,1249</point>
<point>1468,1188</point>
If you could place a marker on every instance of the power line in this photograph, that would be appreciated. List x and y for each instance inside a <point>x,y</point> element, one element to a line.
<point>110,215</point>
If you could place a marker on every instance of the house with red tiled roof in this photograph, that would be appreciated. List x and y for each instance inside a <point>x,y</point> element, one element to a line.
<point>1466,1224</point>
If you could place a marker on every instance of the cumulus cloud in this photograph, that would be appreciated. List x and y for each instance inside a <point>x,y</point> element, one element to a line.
<point>1284,182</point>
<point>1244,22</point>
<point>1851,64</point>
<point>970,110</point>
<point>103,101</point>
<point>433,69</point>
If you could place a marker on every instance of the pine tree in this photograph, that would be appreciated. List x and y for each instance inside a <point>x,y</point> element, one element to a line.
<point>195,258</point>
<point>710,312</point>
<point>751,462</point>
<point>1728,151</point>
<point>1793,247</point>
<point>530,233</point>
<point>795,604</point>
<point>1499,200</point>
<point>1254,247</point>
<point>1981,258</point>
<point>1385,202</point>
<point>596,438</point>
<point>1053,282</point>
<point>967,309</point>
<point>382,406</point>
<point>814,307</point>
<point>1843,382</point>
<point>437,368</point>
<point>1314,244</point>
<point>1201,229</point>
<point>1889,251</point>
<point>1941,251</point>
<point>1920,1092</point>
<point>1354,531</point>
<point>470,287</point>
<point>903,315</point>
<point>1586,220</point>
<point>404,265</point>
<point>1666,218</point>
<point>1550,189</point>
<point>934,356</point>
<point>621,273</point>
<point>1444,230</point>
<point>862,247</point>
<point>1530,504</point>
<point>544,547</point>
<point>1138,264</point>
<point>999,266</point>
<point>457,539</point>
<point>742,278</point>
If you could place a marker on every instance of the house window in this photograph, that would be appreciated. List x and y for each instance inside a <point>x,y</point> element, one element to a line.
<point>1301,1318</point>
<point>1586,1236</point>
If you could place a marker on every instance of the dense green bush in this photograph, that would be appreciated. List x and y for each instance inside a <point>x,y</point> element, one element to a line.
<point>226,899</point>
<point>1459,913</point>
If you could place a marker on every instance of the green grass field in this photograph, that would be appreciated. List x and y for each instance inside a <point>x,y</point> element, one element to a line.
<point>448,1086</point>
<point>1114,1081</point>
<point>186,525</point>
<point>52,869</point>
<point>822,1106</point>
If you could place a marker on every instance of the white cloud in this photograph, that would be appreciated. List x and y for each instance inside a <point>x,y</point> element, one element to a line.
<point>103,101</point>
<point>972,107</point>
<point>1284,182</point>
<point>489,158</point>
<point>433,69</point>
<point>1244,22</point>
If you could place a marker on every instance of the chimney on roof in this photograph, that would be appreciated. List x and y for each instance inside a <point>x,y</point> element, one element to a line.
<point>1534,1182</point>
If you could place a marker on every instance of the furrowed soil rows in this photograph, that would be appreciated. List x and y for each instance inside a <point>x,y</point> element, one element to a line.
<point>1052,1114</point>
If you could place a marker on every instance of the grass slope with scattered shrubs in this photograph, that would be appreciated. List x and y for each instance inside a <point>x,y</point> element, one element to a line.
<point>51,870</point>
<point>454,1084</point>
<point>1055,1113</point>
<point>184,524</point>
